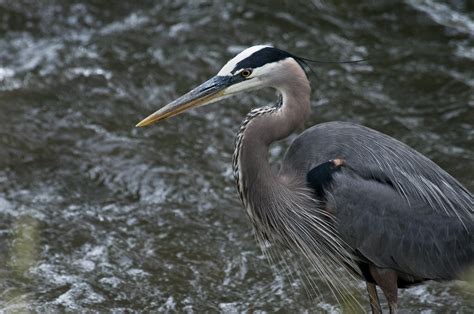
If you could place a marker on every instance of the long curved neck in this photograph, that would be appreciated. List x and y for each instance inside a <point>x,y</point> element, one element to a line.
<point>281,208</point>
<point>256,181</point>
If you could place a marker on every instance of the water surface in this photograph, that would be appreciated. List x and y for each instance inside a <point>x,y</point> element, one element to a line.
<point>98,215</point>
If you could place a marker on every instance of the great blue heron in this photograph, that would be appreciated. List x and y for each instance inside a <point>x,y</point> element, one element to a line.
<point>345,195</point>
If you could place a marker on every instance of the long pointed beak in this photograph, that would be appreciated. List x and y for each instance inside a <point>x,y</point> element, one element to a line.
<point>206,93</point>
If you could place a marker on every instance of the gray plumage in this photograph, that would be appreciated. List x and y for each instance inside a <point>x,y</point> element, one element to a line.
<point>349,199</point>
<point>420,225</point>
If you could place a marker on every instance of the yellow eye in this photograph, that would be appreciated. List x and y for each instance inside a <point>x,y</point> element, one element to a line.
<point>246,73</point>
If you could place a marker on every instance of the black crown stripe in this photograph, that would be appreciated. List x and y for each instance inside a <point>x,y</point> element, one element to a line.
<point>261,57</point>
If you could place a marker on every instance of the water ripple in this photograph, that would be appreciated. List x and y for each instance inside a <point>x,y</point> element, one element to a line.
<point>96,215</point>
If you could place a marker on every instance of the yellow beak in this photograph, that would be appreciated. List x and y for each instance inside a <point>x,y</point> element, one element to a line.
<point>206,93</point>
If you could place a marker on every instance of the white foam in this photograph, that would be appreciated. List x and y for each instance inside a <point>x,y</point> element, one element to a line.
<point>444,15</point>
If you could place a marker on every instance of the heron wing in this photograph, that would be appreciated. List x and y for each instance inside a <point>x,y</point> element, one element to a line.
<point>374,155</point>
<point>396,207</point>
<point>384,229</point>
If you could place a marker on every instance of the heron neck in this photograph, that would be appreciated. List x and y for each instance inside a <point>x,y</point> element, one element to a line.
<point>262,127</point>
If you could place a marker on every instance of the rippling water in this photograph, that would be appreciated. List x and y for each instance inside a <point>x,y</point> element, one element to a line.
<point>96,214</point>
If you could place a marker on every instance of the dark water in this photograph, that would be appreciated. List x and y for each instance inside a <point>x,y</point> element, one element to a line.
<point>96,214</point>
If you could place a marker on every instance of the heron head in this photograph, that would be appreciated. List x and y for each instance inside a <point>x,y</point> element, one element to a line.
<point>254,68</point>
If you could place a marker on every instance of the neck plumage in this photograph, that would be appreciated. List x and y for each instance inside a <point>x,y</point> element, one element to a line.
<point>281,208</point>
<point>256,181</point>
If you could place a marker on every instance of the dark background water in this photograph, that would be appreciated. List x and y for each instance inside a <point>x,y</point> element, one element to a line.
<point>96,214</point>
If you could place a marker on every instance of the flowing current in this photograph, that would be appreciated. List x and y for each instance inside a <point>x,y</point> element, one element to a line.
<point>98,215</point>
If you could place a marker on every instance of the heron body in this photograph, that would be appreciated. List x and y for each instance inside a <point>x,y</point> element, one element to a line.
<point>346,196</point>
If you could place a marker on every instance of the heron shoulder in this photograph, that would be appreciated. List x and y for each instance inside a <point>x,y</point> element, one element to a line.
<point>320,143</point>
<point>377,156</point>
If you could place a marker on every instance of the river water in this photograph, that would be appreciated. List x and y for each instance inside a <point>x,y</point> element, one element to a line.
<point>98,215</point>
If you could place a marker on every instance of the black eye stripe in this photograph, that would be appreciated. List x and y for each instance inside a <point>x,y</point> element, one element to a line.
<point>261,57</point>
<point>236,79</point>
